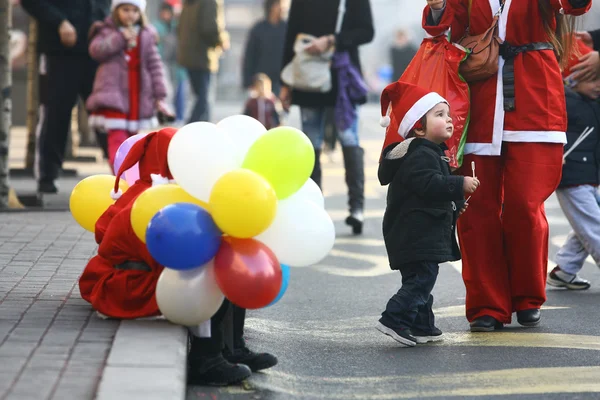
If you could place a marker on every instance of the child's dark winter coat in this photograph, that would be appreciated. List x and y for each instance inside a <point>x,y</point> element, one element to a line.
<point>583,164</point>
<point>422,203</point>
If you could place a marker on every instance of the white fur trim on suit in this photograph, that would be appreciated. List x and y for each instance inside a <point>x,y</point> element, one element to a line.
<point>416,112</point>
<point>116,196</point>
<point>141,4</point>
<point>158,179</point>
<point>99,121</point>
<point>535,136</point>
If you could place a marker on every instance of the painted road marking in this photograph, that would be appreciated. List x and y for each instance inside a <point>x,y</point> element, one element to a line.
<point>465,384</point>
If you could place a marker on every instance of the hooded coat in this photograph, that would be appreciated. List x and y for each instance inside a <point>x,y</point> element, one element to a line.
<point>127,293</point>
<point>423,201</point>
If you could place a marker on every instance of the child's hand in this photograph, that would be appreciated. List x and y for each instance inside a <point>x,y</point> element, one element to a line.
<point>462,210</point>
<point>470,185</point>
<point>164,112</point>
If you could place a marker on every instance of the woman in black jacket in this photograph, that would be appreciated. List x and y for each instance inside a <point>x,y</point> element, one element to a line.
<point>318,18</point>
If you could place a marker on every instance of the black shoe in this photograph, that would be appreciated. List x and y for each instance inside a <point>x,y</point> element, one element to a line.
<point>560,278</point>
<point>216,371</point>
<point>354,165</point>
<point>47,187</point>
<point>424,337</point>
<point>530,317</point>
<point>403,336</point>
<point>254,361</point>
<point>485,324</point>
<point>355,220</point>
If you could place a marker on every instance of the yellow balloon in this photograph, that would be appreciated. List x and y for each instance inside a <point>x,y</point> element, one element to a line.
<point>153,200</point>
<point>91,197</point>
<point>242,203</point>
<point>285,157</point>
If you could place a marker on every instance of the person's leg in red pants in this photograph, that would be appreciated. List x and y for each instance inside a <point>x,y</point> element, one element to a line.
<point>532,172</point>
<point>485,270</point>
<point>116,137</point>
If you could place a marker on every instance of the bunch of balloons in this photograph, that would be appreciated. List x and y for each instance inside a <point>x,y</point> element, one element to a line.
<point>242,212</point>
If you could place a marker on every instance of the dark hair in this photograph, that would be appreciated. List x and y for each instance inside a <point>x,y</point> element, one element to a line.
<point>412,132</point>
<point>166,7</point>
<point>268,5</point>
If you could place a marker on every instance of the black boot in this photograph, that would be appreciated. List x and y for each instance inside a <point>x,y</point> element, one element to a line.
<point>485,324</point>
<point>529,317</point>
<point>207,367</point>
<point>216,371</point>
<point>102,140</point>
<point>245,356</point>
<point>355,179</point>
<point>316,174</point>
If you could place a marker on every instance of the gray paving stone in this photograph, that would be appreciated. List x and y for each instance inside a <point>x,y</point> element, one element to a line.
<point>148,343</point>
<point>122,383</point>
<point>52,345</point>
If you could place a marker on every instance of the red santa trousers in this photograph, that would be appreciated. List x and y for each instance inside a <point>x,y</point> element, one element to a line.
<point>504,233</point>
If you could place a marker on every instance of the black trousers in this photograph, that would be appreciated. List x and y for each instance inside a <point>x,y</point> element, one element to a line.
<point>63,78</point>
<point>411,307</point>
<point>214,345</point>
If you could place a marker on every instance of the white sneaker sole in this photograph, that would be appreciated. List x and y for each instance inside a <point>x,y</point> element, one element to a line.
<point>427,339</point>
<point>387,331</point>
<point>561,284</point>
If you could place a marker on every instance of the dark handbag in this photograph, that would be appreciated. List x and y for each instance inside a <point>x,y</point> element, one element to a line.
<point>484,49</point>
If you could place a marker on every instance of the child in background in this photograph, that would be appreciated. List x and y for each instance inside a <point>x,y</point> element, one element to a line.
<point>262,104</point>
<point>578,187</point>
<point>423,204</point>
<point>129,87</point>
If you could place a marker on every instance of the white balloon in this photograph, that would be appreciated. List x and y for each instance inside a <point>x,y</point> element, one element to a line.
<point>243,132</point>
<point>302,233</point>
<point>189,297</point>
<point>199,154</point>
<point>311,192</point>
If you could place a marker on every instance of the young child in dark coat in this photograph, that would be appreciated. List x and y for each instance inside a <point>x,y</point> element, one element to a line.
<point>577,190</point>
<point>423,204</point>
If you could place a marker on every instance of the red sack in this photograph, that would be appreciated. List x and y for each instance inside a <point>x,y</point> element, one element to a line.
<point>435,67</point>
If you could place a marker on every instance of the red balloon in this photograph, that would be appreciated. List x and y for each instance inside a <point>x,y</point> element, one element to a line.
<point>247,272</point>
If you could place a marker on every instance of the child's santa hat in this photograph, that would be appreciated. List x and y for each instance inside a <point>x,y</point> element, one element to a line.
<point>582,49</point>
<point>151,154</point>
<point>402,107</point>
<point>141,4</point>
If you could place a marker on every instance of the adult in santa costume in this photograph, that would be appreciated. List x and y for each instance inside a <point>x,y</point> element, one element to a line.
<point>516,137</point>
<point>120,281</point>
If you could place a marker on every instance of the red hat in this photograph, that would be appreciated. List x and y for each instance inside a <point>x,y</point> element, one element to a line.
<point>574,60</point>
<point>151,154</point>
<point>405,104</point>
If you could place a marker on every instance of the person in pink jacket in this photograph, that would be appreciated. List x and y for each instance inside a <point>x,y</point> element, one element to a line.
<point>129,87</point>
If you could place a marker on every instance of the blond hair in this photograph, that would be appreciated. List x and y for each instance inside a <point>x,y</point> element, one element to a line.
<point>562,38</point>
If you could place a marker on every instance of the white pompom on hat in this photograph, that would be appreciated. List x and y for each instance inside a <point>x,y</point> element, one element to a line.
<point>141,4</point>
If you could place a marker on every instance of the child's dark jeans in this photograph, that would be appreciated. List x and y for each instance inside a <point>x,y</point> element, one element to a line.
<point>411,306</point>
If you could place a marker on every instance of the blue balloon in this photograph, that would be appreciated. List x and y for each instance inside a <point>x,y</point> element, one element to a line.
<point>183,236</point>
<point>285,281</point>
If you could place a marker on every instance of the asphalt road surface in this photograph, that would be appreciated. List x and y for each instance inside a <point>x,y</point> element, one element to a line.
<point>323,331</point>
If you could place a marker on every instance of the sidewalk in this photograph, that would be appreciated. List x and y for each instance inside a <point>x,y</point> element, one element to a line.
<point>53,346</point>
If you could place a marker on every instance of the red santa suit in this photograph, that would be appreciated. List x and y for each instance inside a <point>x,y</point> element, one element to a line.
<point>121,280</point>
<point>518,158</point>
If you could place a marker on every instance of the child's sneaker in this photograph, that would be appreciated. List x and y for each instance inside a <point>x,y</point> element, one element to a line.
<point>424,337</point>
<point>402,336</point>
<point>560,278</point>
